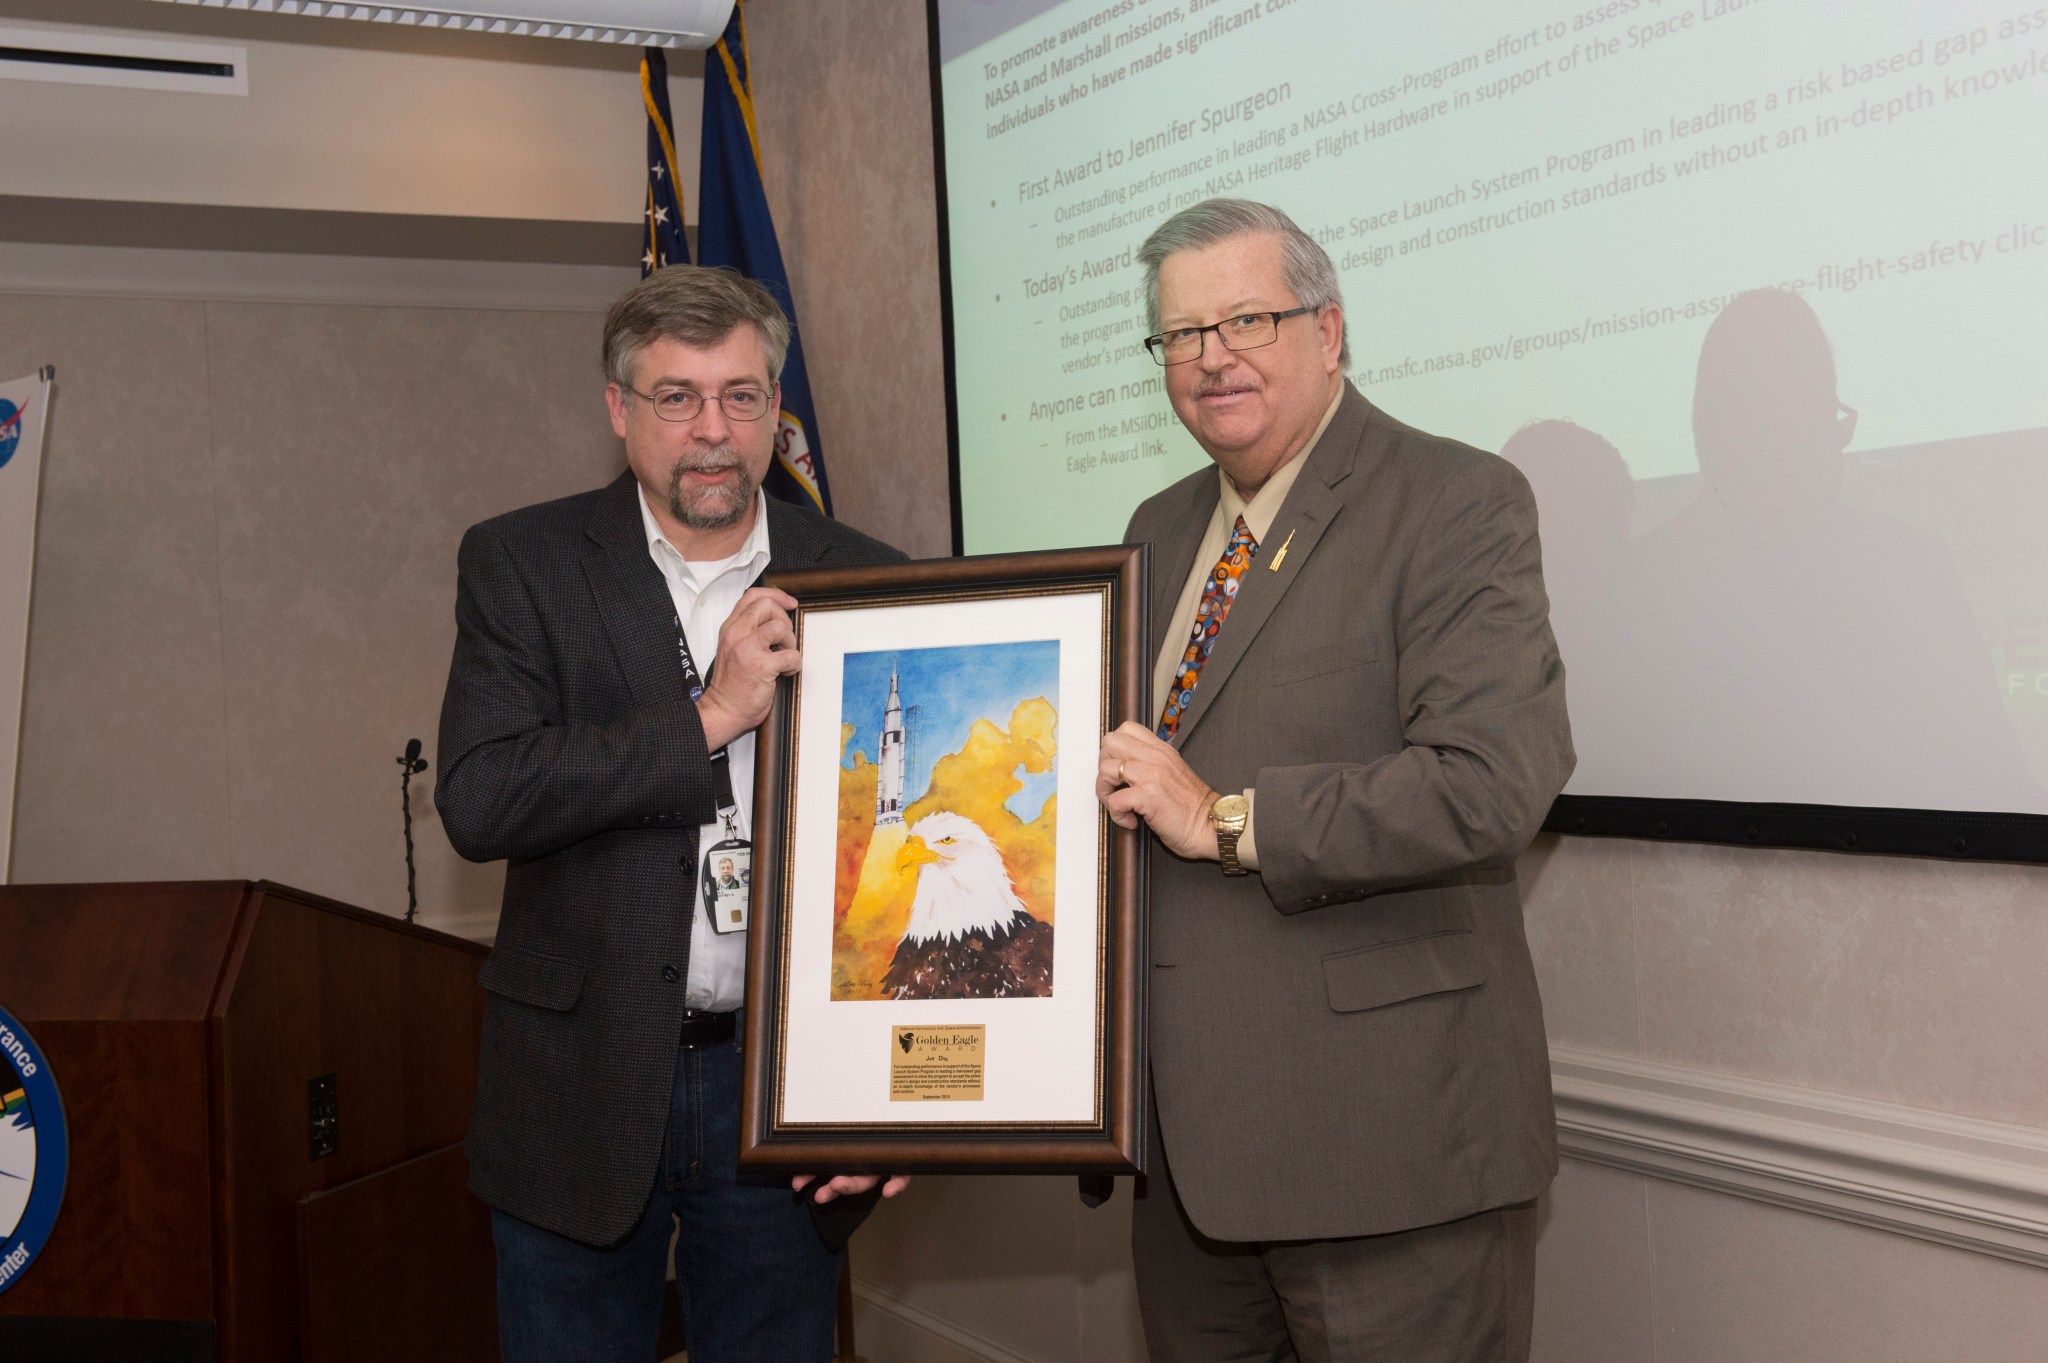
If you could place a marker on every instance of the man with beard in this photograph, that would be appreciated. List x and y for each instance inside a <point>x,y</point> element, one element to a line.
<point>612,661</point>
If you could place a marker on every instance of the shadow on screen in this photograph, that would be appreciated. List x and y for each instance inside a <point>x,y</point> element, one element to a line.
<point>1772,639</point>
<point>1585,497</point>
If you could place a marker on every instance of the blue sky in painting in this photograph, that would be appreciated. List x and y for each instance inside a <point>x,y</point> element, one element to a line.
<point>944,690</point>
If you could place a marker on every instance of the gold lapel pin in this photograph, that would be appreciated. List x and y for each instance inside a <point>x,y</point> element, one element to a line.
<point>1281,557</point>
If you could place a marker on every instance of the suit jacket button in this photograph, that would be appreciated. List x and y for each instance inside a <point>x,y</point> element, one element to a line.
<point>671,974</point>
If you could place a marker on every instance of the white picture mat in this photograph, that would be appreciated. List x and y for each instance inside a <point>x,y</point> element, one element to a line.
<point>20,480</point>
<point>1039,1062</point>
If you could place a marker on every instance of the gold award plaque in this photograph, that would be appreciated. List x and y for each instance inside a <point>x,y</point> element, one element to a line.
<point>936,1064</point>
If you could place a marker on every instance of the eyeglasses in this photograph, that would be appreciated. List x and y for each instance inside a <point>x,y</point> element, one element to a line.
<point>1248,332</point>
<point>681,404</point>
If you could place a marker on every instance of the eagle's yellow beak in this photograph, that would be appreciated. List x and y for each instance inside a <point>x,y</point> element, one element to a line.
<point>914,855</point>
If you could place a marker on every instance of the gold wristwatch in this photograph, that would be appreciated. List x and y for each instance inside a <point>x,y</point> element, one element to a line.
<point>1229,815</point>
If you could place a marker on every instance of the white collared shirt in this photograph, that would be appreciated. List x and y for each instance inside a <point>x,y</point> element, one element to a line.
<point>705,593</point>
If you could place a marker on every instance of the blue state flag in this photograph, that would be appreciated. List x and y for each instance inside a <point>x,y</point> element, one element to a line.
<point>734,228</point>
<point>663,242</point>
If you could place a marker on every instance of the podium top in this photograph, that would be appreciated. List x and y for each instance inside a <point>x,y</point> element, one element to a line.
<point>152,951</point>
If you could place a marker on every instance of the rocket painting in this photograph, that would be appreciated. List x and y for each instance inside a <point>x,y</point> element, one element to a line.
<point>944,872</point>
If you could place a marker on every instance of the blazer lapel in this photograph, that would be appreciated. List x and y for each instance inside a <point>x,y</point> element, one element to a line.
<point>633,603</point>
<point>1312,504</point>
<point>793,540</point>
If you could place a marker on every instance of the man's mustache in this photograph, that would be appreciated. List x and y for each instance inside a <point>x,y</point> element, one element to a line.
<point>717,460</point>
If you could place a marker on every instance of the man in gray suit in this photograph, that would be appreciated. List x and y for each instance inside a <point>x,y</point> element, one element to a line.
<point>1361,724</point>
<point>588,740</point>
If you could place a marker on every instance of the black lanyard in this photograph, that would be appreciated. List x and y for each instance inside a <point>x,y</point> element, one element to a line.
<point>721,761</point>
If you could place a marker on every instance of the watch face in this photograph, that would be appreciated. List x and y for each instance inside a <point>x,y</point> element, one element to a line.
<point>1231,808</point>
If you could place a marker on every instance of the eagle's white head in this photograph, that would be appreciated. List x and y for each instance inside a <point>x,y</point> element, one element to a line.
<point>962,884</point>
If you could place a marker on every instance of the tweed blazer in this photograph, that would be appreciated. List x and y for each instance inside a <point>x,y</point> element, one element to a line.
<point>1350,1042</point>
<point>570,749</point>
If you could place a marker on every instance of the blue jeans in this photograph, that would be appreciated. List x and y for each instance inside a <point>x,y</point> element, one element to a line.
<point>756,1282</point>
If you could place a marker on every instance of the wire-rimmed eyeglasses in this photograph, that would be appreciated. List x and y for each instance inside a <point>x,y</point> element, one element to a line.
<point>681,404</point>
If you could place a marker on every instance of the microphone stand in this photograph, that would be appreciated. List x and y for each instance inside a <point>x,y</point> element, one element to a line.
<point>410,765</point>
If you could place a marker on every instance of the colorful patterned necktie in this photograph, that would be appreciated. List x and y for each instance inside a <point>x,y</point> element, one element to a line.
<point>1217,595</point>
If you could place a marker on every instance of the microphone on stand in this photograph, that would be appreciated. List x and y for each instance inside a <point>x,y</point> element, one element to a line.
<point>412,764</point>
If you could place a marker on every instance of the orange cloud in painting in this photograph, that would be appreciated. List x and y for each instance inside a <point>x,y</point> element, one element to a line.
<point>871,901</point>
<point>857,785</point>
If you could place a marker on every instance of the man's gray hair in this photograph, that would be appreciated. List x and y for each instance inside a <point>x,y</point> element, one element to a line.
<point>697,307</point>
<point>1305,266</point>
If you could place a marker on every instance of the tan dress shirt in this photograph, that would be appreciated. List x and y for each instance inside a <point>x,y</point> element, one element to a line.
<point>1258,515</point>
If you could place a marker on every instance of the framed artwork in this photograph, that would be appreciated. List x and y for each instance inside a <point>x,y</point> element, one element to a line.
<point>945,969</point>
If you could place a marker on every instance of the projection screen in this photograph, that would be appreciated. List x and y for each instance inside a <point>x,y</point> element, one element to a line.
<point>1752,291</point>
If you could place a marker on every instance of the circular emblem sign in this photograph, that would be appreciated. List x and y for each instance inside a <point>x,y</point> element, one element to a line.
<point>32,1150</point>
<point>10,430</point>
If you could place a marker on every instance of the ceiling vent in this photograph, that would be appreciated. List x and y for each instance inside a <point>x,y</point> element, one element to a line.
<point>76,57</point>
<point>641,23</point>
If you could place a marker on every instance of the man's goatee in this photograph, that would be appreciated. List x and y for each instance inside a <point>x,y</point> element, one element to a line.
<point>714,508</point>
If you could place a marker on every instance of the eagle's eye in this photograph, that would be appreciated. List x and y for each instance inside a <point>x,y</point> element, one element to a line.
<point>948,840</point>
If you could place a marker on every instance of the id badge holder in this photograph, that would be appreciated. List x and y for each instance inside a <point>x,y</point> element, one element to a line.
<point>728,878</point>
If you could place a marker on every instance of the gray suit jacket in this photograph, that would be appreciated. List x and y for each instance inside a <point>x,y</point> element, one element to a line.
<point>570,749</point>
<point>1350,1042</point>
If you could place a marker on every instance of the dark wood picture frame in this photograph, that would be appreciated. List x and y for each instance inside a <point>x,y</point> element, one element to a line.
<point>1113,1142</point>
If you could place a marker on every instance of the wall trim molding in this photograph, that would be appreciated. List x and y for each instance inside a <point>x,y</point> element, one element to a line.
<point>917,1318</point>
<point>272,277</point>
<point>316,231</point>
<point>1957,1181</point>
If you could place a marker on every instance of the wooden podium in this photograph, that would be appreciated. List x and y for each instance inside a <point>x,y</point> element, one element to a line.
<point>202,1036</point>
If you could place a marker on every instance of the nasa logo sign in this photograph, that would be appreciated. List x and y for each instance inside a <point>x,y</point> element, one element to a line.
<point>32,1150</point>
<point>10,430</point>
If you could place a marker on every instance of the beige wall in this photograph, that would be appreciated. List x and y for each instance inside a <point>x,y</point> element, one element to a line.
<point>346,116</point>
<point>355,117</point>
<point>846,141</point>
<point>259,464</point>
<point>1633,1269</point>
<point>1912,982</point>
<point>245,574</point>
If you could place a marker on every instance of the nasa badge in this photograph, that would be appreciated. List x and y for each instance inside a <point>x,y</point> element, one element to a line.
<point>32,1150</point>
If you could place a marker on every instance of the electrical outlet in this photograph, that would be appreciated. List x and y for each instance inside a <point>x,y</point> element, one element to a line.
<point>323,1117</point>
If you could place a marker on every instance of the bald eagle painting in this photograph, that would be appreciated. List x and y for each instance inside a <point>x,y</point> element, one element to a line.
<point>970,936</point>
<point>943,879</point>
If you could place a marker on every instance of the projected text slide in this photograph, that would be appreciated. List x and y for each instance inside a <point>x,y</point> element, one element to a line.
<point>1537,212</point>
